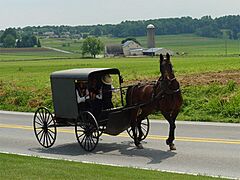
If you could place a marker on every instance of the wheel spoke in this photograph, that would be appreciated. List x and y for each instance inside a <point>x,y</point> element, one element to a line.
<point>83,139</point>
<point>40,114</point>
<point>44,138</point>
<point>38,123</point>
<point>50,122</point>
<point>41,136</point>
<point>51,131</point>
<point>39,132</point>
<point>144,124</point>
<point>50,135</point>
<point>144,129</point>
<point>47,117</point>
<point>80,136</point>
<point>39,119</point>
<point>88,143</point>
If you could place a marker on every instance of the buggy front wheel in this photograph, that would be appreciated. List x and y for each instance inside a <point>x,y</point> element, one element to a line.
<point>44,127</point>
<point>87,131</point>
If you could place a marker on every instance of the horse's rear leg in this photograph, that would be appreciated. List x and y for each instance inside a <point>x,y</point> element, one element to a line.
<point>171,117</point>
<point>136,138</point>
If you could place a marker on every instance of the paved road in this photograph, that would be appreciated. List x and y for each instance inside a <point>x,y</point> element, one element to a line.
<point>202,148</point>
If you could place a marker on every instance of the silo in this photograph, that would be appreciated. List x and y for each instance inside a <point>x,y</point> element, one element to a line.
<point>151,36</point>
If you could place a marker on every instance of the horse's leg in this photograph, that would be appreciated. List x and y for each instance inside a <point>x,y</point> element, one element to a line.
<point>171,117</point>
<point>139,121</point>
<point>134,125</point>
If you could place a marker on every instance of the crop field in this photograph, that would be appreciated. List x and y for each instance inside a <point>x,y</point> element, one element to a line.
<point>209,80</point>
<point>210,85</point>
<point>16,54</point>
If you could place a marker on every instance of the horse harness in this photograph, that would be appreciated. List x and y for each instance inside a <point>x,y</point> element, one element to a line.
<point>157,95</point>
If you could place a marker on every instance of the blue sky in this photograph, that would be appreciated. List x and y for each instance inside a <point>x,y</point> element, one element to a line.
<point>21,13</point>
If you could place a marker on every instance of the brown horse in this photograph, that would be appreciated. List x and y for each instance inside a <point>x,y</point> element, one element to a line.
<point>164,96</point>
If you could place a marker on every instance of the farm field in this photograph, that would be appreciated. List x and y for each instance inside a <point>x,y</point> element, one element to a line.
<point>21,167</point>
<point>209,80</point>
<point>16,54</point>
<point>189,44</point>
<point>210,85</point>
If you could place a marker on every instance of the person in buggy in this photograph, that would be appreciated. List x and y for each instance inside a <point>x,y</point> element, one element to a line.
<point>82,94</point>
<point>106,91</point>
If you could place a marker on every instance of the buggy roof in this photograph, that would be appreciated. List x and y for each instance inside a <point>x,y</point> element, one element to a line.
<point>83,73</point>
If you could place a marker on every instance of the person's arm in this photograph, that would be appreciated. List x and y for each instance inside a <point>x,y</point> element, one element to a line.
<point>99,96</point>
<point>80,99</point>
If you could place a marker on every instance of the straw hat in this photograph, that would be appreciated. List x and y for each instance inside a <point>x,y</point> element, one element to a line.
<point>106,79</point>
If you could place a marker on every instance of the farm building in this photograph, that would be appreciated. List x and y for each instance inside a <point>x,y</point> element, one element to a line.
<point>129,46</point>
<point>156,51</point>
<point>113,50</point>
<point>136,52</point>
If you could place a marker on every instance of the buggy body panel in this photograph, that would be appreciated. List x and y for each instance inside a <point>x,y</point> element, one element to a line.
<point>119,120</point>
<point>64,91</point>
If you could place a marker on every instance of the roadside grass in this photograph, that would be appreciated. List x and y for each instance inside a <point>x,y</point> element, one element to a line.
<point>22,167</point>
<point>25,85</point>
<point>212,103</point>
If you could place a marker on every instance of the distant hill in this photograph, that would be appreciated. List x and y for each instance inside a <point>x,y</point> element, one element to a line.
<point>223,27</point>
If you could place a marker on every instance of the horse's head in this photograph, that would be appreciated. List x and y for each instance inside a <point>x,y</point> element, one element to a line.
<point>167,83</point>
<point>166,67</point>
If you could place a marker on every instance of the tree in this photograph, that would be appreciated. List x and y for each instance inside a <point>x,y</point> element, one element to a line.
<point>9,41</point>
<point>28,40</point>
<point>39,43</point>
<point>8,31</point>
<point>92,46</point>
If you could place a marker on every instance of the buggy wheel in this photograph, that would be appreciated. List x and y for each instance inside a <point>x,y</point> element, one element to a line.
<point>44,127</point>
<point>144,125</point>
<point>101,130</point>
<point>87,131</point>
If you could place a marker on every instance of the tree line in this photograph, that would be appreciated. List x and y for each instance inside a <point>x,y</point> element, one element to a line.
<point>205,26</point>
<point>10,38</point>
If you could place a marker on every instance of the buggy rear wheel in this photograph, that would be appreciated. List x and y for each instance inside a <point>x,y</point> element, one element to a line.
<point>44,127</point>
<point>144,125</point>
<point>87,131</point>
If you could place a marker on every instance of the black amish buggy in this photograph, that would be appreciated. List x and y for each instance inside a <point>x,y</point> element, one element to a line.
<point>67,112</point>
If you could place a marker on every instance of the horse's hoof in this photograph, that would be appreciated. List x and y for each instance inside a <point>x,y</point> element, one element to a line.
<point>172,147</point>
<point>140,146</point>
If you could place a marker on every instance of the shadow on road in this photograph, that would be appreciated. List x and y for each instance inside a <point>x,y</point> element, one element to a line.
<point>125,148</point>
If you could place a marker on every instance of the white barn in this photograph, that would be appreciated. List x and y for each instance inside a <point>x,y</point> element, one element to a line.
<point>128,46</point>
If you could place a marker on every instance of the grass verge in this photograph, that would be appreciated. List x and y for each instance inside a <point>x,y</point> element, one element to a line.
<point>22,167</point>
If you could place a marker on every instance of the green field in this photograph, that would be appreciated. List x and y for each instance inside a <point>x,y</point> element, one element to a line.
<point>20,167</point>
<point>189,44</point>
<point>210,82</point>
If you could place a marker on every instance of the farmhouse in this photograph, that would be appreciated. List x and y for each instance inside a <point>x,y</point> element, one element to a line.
<point>129,47</point>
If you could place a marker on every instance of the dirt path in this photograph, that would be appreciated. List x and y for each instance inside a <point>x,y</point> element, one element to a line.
<point>222,78</point>
<point>211,77</point>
